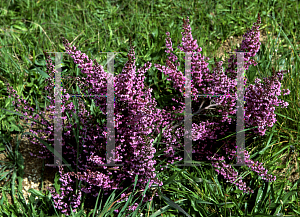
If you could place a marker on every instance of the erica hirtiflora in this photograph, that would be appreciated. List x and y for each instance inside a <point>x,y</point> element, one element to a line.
<point>134,146</point>
<point>137,152</point>
<point>217,83</point>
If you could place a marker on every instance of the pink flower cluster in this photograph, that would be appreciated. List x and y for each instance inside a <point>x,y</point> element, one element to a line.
<point>260,103</point>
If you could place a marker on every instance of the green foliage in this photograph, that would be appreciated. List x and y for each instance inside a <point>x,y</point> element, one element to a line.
<point>29,27</point>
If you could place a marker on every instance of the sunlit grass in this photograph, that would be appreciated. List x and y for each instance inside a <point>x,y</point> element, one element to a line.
<point>29,27</point>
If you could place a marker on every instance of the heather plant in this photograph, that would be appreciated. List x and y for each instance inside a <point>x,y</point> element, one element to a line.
<point>99,177</point>
<point>96,159</point>
<point>223,84</point>
<point>129,96</point>
<point>223,168</point>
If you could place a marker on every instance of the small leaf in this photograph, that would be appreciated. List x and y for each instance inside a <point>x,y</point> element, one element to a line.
<point>20,28</point>
<point>45,75</point>
<point>174,205</point>
<point>28,85</point>
<point>56,184</point>
<point>36,192</point>
<point>2,147</point>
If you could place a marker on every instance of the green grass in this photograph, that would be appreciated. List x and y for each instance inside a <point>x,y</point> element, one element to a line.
<point>29,27</point>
